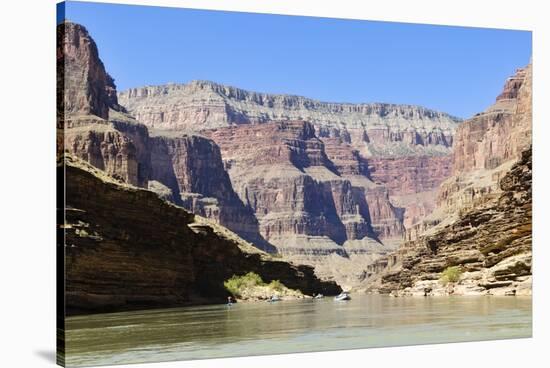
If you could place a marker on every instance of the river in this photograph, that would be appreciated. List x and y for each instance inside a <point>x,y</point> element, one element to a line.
<point>291,326</point>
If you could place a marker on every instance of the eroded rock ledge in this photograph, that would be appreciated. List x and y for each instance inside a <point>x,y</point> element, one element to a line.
<point>491,244</point>
<point>127,248</point>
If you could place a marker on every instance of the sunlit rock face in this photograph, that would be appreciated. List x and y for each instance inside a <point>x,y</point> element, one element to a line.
<point>316,175</point>
<point>485,148</point>
<point>482,222</point>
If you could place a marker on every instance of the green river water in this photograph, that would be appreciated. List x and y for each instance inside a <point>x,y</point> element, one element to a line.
<point>216,331</point>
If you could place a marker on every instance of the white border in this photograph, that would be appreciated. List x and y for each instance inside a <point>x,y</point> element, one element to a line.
<point>27,151</point>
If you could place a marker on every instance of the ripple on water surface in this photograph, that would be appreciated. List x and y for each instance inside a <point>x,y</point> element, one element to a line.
<point>291,326</point>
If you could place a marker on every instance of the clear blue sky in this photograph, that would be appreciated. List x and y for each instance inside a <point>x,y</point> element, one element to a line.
<point>458,70</point>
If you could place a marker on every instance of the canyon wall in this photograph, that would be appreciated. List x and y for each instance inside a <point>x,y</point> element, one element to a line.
<point>327,182</point>
<point>126,248</point>
<point>203,105</point>
<point>490,244</point>
<point>482,219</point>
<point>192,167</point>
<point>485,148</point>
<point>358,143</point>
<point>332,185</point>
<point>95,128</point>
<point>83,85</point>
<point>386,138</point>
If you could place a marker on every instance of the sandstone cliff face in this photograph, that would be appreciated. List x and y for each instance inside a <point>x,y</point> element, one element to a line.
<point>91,124</point>
<point>207,105</point>
<point>93,127</point>
<point>499,134</point>
<point>412,182</point>
<point>312,209</point>
<point>491,244</point>
<point>293,187</point>
<point>310,186</point>
<point>83,85</point>
<point>485,148</point>
<point>192,167</point>
<point>482,220</point>
<point>358,138</point>
<point>373,130</point>
<point>127,248</point>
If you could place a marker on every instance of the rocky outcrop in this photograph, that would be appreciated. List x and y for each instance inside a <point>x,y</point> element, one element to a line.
<point>94,128</point>
<point>192,167</point>
<point>83,85</point>
<point>486,146</point>
<point>490,244</point>
<point>482,221</point>
<point>126,248</point>
<point>499,134</point>
<point>91,123</point>
<point>119,148</point>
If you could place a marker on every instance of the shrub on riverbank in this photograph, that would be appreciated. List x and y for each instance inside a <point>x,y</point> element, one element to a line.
<point>251,286</point>
<point>450,275</point>
<point>237,284</point>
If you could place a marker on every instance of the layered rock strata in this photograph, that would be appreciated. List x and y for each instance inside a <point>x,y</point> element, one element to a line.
<point>482,221</point>
<point>294,189</point>
<point>490,244</point>
<point>126,248</point>
<point>359,139</point>
<point>486,146</point>
<point>95,128</point>
<point>312,209</point>
<point>84,87</point>
<point>202,105</point>
<point>192,167</point>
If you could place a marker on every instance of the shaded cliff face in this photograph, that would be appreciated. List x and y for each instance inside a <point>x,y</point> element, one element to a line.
<point>126,248</point>
<point>192,167</point>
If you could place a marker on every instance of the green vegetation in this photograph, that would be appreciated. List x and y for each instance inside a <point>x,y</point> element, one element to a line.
<point>450,274</point>
<point>238,285</point>
<point>276,285</point>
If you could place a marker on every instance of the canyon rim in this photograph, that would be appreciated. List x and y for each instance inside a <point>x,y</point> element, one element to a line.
<point>180,197</point>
